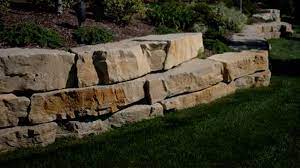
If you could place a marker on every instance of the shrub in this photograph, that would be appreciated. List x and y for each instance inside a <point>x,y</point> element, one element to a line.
<point>92,35</point>
<point>51,3</point>
<point>230,18</point>
<point>171,14</point>
<point>4,5</point>
<point>31,34</point>
<point>216,46</point>
<point>121,11</point>
<point>165,30</point>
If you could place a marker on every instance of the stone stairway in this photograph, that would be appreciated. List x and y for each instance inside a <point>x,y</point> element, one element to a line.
<point>268,25</point>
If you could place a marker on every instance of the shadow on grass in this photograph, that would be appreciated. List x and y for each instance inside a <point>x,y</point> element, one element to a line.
<point>285,67</point>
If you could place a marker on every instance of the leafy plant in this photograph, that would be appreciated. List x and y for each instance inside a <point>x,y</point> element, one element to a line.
<point>31,34</point>
<point>121,11</point>
<point>165,30</point>
<point>92,35</point>
<point>51,3</point>
<point>4,5</point>
<point>176,15</point>
<point>216,46</point>
<point>230,18</point>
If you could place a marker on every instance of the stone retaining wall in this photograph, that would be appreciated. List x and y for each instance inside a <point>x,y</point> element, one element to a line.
<point>48,94</point>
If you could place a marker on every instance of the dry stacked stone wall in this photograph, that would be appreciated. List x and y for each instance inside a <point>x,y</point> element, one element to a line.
<point>49,94</point>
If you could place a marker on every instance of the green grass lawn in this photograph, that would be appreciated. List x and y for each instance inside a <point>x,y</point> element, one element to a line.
<point>252,128</point>
<point>286,48</point>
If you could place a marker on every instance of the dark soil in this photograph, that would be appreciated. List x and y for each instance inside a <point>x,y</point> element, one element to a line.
<point>66,23</point>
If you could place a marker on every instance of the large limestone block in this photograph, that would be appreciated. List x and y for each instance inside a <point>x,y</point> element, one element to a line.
<point>259,79</point>
<point>82,129</point>
<point>181,47</point>
<point>11,109</point>
<point>110,63</point>
<point>239,64</point>
<point>27,136</point>
<point>91,101</point>
<point>34,69</point>
<point>120,62</point>
<point>193,99</point>
<point>191,76</point>
<point>86,73</point>
<point>267,15</point>
<point>156,53</point>
<point>134,114</point>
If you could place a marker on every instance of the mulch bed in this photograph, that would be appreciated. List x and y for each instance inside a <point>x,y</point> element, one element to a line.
<point>66,23</point>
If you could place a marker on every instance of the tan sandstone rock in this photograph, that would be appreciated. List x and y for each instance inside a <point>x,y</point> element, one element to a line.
<point>134,114</point>
<point>181,47</point>
<point>27,136</point>
<point>237,65</point>
<point>91,101</point>
<point>34,69</point>
<point>11,109</point>
<point>193,99</point>
<point>111,63</point>
<point>191,76</point>
<point>254,80</point>
<point>82,129</point>
<point>86,73</point>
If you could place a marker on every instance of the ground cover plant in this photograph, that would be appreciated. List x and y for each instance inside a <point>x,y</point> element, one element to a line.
<point>25,34</point>
<point>252,128</point>
<point>92,35</point>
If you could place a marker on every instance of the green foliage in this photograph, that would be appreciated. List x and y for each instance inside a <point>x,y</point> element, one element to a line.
<point>230,18</point>
<point>174,15</point>
<point>121,11</point>
<point>4,5</point>
<point>216,46</point>
<point>51,3</point>
<point>192,16</point>
<point>92,35</point>
<point>165,30</point>
<point>31,34</point>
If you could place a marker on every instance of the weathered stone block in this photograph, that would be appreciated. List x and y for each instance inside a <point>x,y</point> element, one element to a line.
<point>11,109</point>
<point>254,80</point>
<point>133,58</point>
<point>156,53</point>
<point>191,76</point>
<point>135,114</point>
<point>120,62</point>
<point>267,15</point>
<point>181,47</point>
<point>193,99</point>
<point>82,129</point>
<point>92,101</point>
<point>34,69</point>
<point>86,73</point>
<point>27,136</point>
<point>237,65</point>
